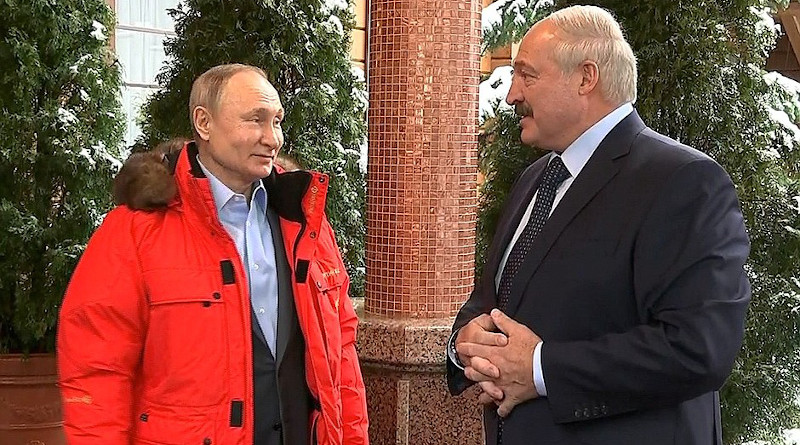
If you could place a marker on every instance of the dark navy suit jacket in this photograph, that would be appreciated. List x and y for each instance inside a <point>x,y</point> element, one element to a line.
<point>636,286</point>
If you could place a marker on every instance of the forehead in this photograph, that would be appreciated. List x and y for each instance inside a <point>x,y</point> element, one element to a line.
<point>536,46</point>
<point>250,89</point>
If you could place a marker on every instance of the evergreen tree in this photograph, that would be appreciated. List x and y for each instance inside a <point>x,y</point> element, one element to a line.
<point>61,127</point>
<point>701,81</point>
<point>303,46</point>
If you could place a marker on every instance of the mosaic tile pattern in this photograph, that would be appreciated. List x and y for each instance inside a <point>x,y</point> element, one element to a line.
<point>421,185</point>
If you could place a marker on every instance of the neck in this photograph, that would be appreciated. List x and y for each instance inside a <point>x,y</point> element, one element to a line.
<point>236,185</point>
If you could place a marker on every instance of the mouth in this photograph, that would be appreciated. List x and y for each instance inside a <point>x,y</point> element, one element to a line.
<point>270,157</point>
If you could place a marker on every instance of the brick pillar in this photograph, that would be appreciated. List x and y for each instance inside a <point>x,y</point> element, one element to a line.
<point>424,67</point>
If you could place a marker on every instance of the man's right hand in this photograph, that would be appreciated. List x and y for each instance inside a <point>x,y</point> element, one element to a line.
<point>480,330</point>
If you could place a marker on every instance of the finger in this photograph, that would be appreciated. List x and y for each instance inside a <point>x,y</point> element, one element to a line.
<point>475,375</point>
<point>503,322</point>
<point>485,322</point>
<point>474,349</point>
<point>486,399</point>
<point>485,367</point>
<point>490,338</point>
<point>506,406</point>
<point>492,390</point>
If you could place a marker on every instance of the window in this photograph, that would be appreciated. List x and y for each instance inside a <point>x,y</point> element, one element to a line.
<point>142,26</point>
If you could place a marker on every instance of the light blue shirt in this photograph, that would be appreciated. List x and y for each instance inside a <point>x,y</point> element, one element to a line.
<point>575,158</point>
<point>249,228</point>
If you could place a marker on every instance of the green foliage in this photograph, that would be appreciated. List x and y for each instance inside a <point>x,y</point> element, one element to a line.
<point>304,50</point>
<point>701,81</point>
<point>61,124</point>
<point>516,16</point>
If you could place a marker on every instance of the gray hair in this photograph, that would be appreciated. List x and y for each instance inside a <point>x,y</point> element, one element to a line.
<point>592,33</point>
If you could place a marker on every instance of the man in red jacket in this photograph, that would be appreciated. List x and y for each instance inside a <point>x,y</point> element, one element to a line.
<point>222,316</point>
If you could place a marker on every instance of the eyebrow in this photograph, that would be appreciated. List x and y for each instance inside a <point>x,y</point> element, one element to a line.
<point>263,111</point>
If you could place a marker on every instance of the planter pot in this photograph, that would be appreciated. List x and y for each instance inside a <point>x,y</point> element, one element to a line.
<point>30,403</point>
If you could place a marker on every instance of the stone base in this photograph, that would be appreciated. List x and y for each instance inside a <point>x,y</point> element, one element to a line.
<point>403,361</point>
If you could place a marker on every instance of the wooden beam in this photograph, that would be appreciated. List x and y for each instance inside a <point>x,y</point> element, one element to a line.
<point>790,20</point>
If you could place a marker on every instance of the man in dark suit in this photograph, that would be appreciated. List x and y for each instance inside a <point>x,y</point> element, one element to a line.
<point>613,298</point>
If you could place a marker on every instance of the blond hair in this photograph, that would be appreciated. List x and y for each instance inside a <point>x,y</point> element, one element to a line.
<point>207,89</point>
<point>592,33</point>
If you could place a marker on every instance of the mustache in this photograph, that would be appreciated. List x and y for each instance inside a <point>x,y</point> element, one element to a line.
<point>522,109</point>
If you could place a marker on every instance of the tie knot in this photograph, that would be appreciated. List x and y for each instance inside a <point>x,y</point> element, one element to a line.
<point>556,172</point>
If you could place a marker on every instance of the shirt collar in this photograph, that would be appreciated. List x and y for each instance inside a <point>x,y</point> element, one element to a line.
<point>578,153</point>
<point>222,194</point>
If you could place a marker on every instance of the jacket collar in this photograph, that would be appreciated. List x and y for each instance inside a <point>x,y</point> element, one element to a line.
<point>298,196</point>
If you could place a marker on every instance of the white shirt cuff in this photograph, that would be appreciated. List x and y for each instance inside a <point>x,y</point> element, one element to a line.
<point>538,377</point>
<point>451,351</point>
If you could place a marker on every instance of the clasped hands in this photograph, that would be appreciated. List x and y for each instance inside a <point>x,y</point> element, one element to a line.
<point>497,352</point>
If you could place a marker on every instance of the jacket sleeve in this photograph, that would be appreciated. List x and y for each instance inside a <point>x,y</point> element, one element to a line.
<point>688,277</point>
<point>100,337</point>
<point>354,398</point>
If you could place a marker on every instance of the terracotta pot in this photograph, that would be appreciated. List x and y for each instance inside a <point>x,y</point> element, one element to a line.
<point>30,404</point>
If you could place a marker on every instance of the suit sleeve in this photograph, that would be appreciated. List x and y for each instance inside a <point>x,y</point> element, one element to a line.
<point>100,337</point>
<point>354,399</point>
<point>689,279</point>
<point>483,299</point>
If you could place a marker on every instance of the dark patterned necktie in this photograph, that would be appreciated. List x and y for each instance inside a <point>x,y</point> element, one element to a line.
<point>555,173</point>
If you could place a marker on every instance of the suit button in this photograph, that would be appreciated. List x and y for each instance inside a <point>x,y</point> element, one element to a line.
<point>216,295</point>
<point>578,413</point>
<point>586,412</point>
<point>277,426</point>
<point>206,441</point>
<point>603,409</point>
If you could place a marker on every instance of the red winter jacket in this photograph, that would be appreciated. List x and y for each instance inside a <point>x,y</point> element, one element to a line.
<point>148,283</point>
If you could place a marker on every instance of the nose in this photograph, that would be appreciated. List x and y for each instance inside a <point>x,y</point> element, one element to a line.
<point>514,95</point>
<point>272,137</point>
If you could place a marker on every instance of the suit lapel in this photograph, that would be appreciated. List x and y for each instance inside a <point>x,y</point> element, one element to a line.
<point>597,172</point>
<point>529,182</point>
<point>286,311</point>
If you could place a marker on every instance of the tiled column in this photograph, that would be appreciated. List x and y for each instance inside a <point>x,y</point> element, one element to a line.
<point>424,63</point>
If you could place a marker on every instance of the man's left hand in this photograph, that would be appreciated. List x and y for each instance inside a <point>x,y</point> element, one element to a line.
<point>514,361</point>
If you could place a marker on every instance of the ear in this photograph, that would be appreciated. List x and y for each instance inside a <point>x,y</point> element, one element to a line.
<point>590,77</point>
<point>201,120</point>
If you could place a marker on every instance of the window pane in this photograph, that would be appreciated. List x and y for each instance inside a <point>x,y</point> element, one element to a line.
<point>141,55</point>
<point>132,100</point>
<point>146,13</point>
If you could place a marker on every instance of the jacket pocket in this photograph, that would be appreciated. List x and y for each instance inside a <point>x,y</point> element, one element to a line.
<point>166,425</point>
<point>185,358</point>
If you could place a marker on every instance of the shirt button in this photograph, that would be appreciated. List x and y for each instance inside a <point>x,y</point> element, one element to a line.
<point>255,266</point>
<point>261,310</point>
<point>247,224</point>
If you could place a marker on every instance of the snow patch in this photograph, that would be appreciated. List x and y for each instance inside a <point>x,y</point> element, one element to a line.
<point>101,150</point>
<point>99,31</point>
<point>66,117</point>
<point>84,95</point>
<point>494,90</point>
<point>765,22</point>
<point>334,24</point>
<point>86,154</point>
<point>329,6</point>
<point>328,89</point>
